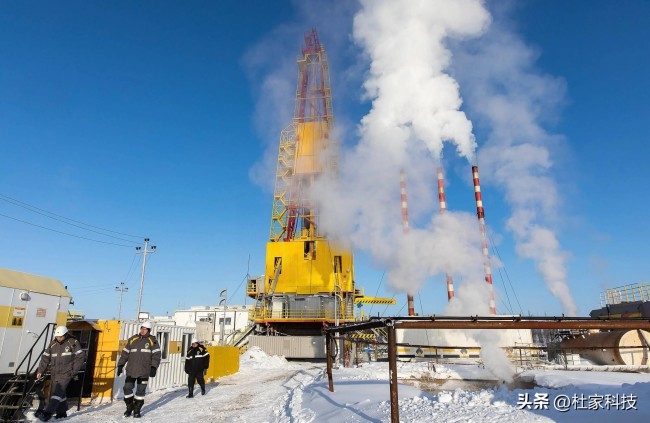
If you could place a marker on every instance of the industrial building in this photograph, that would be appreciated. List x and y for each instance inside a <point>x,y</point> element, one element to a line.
<point>216,325</point>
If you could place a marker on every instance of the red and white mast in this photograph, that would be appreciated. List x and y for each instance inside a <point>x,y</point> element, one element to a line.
<point>405,228</point>
<point>484,244</point>
<point>443,208</point>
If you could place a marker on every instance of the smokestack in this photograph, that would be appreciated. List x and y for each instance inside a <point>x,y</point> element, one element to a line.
<point>443,208</point>
<point>481,220</point>
<point>405,227</point>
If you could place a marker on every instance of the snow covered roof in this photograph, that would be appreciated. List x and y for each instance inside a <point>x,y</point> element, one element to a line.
<point>33,283</point>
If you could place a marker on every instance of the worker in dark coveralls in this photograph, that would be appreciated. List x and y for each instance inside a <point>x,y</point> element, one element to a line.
<point>142,353</point>
<point>197,361</point>
<point>65,359</point>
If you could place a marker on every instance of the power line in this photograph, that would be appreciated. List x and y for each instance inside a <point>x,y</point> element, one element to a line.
<point>132,272</point>
<point>377,292</point>
<point>34,208</point>
<point>505,270</point>
<point>94,292</point>
<point>65,233</point>
<point>128,274</point>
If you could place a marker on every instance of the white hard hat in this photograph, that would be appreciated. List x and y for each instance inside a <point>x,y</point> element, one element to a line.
<point>147,325</point>
<point>195,341</point>
<point>60,331</point>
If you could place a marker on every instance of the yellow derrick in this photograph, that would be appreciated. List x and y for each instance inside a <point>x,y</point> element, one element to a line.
<point>312,143</point>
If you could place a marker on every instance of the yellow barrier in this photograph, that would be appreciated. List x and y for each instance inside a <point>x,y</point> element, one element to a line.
<point>223,361</point>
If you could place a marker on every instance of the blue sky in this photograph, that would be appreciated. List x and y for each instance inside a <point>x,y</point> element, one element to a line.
<point>161,119</point>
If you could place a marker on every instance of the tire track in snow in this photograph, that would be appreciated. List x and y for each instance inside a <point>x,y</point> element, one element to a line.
<point>291,410</point>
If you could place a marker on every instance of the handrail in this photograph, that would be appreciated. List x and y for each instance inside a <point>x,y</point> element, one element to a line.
<point>29,382</point>
<point>244,336</point>
<point>28,356</point>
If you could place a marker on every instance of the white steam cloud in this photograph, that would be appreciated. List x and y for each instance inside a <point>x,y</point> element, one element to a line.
<point>513,101</point>
<point>415,109</point>
<point>413,98</point>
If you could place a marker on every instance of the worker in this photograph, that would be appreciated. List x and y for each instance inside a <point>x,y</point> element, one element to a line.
<point>197,361</point>
<point>65,359</point>
<point>142,353</point>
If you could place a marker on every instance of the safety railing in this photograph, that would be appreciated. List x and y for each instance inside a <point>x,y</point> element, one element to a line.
<point>626,294</point>
<point>325,314</point>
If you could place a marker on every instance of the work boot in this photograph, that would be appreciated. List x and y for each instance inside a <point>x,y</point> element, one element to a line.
<point>129,406</point>
<point>45,416</point>
<point>61,415</point>
<point>137,408</point>
<point>190,395</point>
<point>202,390</point>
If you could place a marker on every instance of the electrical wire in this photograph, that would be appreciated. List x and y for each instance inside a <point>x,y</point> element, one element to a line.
<point>139,261</point>
<point>89,290</point>
<point>400,310</point>
<point>426,332</point>
<point>128,274</point>
<point>506,272</point>
<point>238,287</point>
<point>388,305</point>
<point>65,233</point>
<point>94,292</point>
<point>47,213</point>
<point>377,292</point>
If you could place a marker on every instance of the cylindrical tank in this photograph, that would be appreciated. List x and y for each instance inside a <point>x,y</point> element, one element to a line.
<point>627,347</point>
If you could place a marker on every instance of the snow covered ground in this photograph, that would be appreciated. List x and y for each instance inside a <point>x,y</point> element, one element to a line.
<point>270,389</point>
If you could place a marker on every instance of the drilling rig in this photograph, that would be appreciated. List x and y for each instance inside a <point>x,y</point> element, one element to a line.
<point>309,279</point>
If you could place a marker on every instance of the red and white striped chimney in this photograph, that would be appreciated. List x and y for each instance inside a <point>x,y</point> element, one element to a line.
<point>484,244</point>
<point>443,208</point>
<point>405,227</point>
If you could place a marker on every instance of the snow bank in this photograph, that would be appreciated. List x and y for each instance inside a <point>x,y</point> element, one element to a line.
<point>255,358</point>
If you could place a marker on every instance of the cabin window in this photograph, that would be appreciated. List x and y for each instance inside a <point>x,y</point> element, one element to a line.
<point>163,340</point>
<point>187,341</point>
<point>227,322</point>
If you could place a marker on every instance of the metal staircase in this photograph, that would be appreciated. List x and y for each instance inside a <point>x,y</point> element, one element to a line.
<point>18,393</point>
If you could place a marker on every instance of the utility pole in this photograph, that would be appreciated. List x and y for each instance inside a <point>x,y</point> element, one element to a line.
<point>122,290</point>
<point>224,303</point>
<point>144,253</point>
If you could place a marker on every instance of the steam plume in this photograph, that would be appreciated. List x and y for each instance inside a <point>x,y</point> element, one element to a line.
<point>513,100</point>
<point>412,96</point>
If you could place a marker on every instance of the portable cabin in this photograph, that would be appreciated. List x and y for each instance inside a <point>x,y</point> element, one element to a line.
<point>30,306</point>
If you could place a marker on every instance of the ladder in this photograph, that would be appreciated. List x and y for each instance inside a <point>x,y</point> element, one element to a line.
<point>18,393</point>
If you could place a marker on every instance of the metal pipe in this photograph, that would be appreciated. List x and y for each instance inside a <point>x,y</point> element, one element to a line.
<point>484,244</point>
<point>460,322</point>
<point>443,209</point>
<point>620,347</point>
<point>574,324</point>
<point>392,370</point>
<point>494,322</point>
